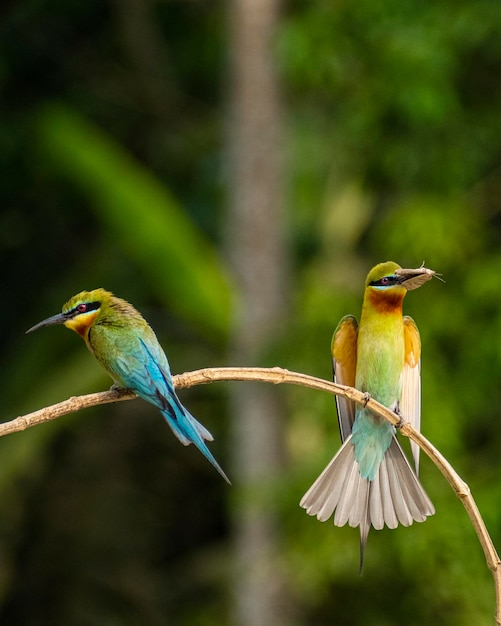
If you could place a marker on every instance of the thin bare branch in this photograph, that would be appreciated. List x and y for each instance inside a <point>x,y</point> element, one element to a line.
<point>276,376</point>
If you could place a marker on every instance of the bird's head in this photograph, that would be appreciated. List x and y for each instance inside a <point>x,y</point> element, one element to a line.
<point>383,278</point>
<point>80,312</point>
<point>387,283</point>
<point>390,275</point>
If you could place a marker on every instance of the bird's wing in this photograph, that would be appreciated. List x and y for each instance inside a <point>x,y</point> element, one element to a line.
<point>344,365</point>
<point>410,403</point>
<point>140,364</point>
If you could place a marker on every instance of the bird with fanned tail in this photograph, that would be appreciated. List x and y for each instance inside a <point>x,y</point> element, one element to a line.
<point>370,482</point>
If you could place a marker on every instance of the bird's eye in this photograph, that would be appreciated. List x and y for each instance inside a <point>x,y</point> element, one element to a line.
<point>385,280</point>
<point>81,308</point>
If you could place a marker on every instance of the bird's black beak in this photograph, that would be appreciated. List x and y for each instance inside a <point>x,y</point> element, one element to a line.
<point>60,318</point>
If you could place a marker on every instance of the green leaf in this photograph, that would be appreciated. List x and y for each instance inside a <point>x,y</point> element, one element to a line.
<point>142,216</point>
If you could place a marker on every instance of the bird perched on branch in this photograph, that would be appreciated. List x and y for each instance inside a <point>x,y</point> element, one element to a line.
<point>128,349</point>
<point>369,482</point>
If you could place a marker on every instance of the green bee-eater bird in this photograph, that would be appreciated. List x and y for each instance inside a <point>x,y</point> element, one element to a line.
<point>369,481</point>
<point>128,349</point>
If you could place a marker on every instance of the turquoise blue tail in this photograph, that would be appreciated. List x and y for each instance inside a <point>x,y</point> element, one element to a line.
<point>371,439</point>
<point>188,430</point>
<point>145,370</point>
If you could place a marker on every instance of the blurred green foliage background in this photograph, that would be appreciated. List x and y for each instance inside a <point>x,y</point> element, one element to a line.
<point>113,173</point>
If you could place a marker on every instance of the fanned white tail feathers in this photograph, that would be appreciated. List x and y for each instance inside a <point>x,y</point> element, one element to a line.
<point>394,496</point>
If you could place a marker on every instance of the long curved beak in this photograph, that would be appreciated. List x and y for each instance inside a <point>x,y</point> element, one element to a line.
<point>60,318</point>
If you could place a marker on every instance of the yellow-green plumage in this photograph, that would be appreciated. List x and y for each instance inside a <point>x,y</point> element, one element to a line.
<point>369,481</point>
<point>128,349</point>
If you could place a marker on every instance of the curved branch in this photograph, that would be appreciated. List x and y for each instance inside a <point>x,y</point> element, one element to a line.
<point>276,376</point>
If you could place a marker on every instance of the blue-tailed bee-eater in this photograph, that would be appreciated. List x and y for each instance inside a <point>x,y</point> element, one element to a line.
<point>370,482</point>
<point>128,349</point>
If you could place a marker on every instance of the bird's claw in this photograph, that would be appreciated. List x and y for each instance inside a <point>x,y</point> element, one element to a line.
<point>401,420</point>
<point>367,397</point>
<point>118,389</point>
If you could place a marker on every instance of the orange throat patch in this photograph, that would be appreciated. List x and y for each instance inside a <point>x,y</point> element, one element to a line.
<point>388,301</point>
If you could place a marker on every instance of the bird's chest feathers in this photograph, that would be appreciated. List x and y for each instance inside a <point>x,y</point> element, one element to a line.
<point>380,356</point>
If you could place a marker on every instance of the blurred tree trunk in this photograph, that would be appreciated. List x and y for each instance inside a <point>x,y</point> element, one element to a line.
<point>151,79</point>
<point>256,244</point>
